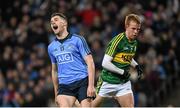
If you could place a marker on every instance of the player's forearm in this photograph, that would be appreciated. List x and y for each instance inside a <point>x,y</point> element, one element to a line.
<point>134,63</point>
<point>55,81</point>
<point>91,74</point>
<point>107,64</point>
<point>91,70</point>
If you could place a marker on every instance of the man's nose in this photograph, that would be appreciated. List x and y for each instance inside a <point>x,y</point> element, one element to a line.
<point>135,30</point>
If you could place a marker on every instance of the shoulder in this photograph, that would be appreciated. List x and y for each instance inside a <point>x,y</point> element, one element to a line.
<point>118,38</point>
<point>78,37</point>
<point>52,44</point>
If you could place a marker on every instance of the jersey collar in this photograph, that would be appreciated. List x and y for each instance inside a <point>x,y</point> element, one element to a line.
<point>62,40</point>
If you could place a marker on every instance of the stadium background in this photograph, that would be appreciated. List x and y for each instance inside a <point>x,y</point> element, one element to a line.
<point>25,70</point>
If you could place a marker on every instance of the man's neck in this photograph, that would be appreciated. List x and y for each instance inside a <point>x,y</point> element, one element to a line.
<point>126,33</point>
<point>62,35</point>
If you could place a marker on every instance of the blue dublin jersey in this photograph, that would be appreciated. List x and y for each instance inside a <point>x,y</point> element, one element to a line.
<point>69,55</point>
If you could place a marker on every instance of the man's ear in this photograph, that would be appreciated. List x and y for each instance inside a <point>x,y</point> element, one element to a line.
<point>126,26</point>
<point>65,23</point>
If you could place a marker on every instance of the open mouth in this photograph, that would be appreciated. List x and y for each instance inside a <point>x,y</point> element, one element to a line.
<point>134,35</point>
<point>55,27</point>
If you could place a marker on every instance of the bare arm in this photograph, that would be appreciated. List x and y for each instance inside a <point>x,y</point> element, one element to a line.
<point>54,79</point>
<point>91,75</point>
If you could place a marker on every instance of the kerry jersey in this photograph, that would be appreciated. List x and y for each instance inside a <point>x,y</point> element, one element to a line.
<point>122,50</point>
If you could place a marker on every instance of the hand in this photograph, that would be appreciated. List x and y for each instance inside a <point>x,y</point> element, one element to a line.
<point>91,92</point>
<point>126,74</point>
<point>56,102</point>
<point>55,99</point>
<point>139,71</point>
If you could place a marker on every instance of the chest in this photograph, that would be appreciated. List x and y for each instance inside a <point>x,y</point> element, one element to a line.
<point>127,47</point>
<point>65,47</point>
<point>65,52</point>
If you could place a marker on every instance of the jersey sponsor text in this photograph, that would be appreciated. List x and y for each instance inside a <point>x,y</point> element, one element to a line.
<point>64,58</point>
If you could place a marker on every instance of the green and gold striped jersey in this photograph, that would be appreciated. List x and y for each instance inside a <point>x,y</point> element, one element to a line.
<point>122,50</point>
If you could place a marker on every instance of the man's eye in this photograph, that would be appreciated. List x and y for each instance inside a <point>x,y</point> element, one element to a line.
<point>56,19</point>
<point>133,29</point>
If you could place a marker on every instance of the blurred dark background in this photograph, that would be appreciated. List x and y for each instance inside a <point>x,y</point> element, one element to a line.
<point>25,69</point>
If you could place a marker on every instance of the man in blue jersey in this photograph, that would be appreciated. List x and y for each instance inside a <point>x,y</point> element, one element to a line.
<point>72,65</point>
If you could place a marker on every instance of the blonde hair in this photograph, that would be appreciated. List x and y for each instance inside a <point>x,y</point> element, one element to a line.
<point>132,17</point>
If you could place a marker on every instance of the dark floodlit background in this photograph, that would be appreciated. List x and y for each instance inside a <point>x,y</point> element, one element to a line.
<point>25,69</point>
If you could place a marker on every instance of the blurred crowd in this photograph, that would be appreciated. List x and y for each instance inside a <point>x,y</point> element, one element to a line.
<point>25,69</point>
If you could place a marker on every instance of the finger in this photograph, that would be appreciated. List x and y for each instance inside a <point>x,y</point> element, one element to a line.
<point>56,103</point>
<point>91,97</point>
<point>88,94</point>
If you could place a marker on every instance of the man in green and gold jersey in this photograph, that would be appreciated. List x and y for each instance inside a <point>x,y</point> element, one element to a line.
<point>114,79</point>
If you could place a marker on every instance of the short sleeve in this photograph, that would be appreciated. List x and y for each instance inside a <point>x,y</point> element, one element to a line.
<point>52,58</point>
<point>83,47</point>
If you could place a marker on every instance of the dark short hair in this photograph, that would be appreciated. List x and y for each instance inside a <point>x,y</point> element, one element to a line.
<point>60,15</point>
